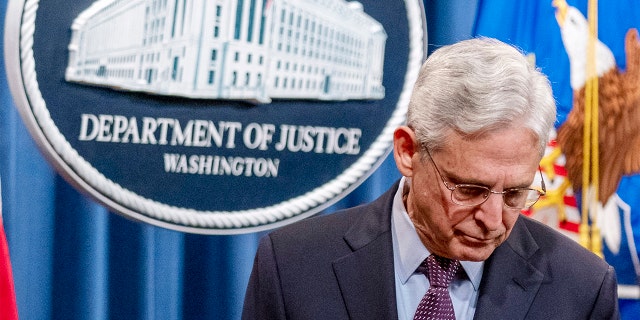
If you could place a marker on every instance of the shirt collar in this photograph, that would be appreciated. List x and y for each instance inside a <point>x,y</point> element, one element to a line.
<point>408,249</point>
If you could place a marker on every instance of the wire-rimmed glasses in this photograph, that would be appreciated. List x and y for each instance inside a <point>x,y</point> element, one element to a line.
<point>471,195</point>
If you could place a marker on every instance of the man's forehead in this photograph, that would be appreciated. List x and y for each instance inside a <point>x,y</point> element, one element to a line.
<point>486,162</point>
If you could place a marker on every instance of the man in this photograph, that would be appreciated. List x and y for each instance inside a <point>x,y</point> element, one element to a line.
<point>477,126</point>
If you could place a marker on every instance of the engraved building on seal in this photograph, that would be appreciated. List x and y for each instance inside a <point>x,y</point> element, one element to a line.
<point>252,50</point>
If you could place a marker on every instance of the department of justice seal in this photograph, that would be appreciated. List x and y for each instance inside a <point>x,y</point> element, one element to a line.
<point>214,117</point>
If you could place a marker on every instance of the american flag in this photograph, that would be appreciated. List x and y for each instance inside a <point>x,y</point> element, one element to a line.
<point>8,307</point>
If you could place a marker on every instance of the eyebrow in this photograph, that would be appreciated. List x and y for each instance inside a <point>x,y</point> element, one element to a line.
<point>455,179</point>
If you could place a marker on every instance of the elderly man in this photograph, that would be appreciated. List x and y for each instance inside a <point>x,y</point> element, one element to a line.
<point>448,240</point>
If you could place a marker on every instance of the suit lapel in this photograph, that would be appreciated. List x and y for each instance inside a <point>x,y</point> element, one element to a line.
<point>366,275</point>
<point>510,282</point>
<point>367,280</point>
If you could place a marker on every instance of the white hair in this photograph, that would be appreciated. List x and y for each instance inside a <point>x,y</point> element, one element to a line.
<point>477,86</point>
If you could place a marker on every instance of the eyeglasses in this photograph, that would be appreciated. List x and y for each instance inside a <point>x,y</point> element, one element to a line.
<point>471,195</point>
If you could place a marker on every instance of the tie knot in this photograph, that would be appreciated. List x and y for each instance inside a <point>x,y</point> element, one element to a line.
<point>439,270</point>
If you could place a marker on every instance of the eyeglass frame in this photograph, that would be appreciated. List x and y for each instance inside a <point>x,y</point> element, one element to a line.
<point>503,192</point>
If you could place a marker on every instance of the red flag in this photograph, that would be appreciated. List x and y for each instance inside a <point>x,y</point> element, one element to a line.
<point>8,307</point>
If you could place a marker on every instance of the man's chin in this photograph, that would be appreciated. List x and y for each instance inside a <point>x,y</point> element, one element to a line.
<point>475,258</point>
<point>476,252</point>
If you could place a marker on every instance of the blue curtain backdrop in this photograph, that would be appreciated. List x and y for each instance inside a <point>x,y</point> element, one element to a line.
<point>72,259</point>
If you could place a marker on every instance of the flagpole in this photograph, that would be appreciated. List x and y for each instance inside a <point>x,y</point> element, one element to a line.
<point>589,229</point>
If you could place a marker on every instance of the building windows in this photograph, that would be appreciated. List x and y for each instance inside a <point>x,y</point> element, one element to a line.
<point>174,70</point>
<point>262,25</point>
<point>296,46</point>
<point>251,18</point>
<point>238,27</point>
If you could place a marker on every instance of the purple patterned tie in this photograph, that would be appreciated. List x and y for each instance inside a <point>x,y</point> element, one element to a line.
<point>436,303</point>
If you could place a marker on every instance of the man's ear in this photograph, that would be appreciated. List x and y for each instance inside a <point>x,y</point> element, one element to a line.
<point>404,148</point>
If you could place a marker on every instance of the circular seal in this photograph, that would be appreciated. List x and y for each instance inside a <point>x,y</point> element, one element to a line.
<point>214,117</point>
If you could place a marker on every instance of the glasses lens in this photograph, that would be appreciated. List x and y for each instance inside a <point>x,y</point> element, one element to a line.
<point>521,198</point>
<point>469,195</point>
<point>472,195</point>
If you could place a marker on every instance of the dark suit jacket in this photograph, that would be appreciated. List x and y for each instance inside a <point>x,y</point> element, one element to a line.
<point>340,266</point>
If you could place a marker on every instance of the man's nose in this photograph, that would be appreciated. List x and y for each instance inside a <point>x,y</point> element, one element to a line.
<point>490,212</point>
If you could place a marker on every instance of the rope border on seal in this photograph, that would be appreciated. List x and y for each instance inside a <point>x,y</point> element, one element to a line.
<point>222,220</point>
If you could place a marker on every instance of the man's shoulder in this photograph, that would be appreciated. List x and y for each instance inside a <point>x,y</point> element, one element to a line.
<point>322,225</point>
<point>561,248</point>
<point>312,243</point>
<point>376,213</point>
